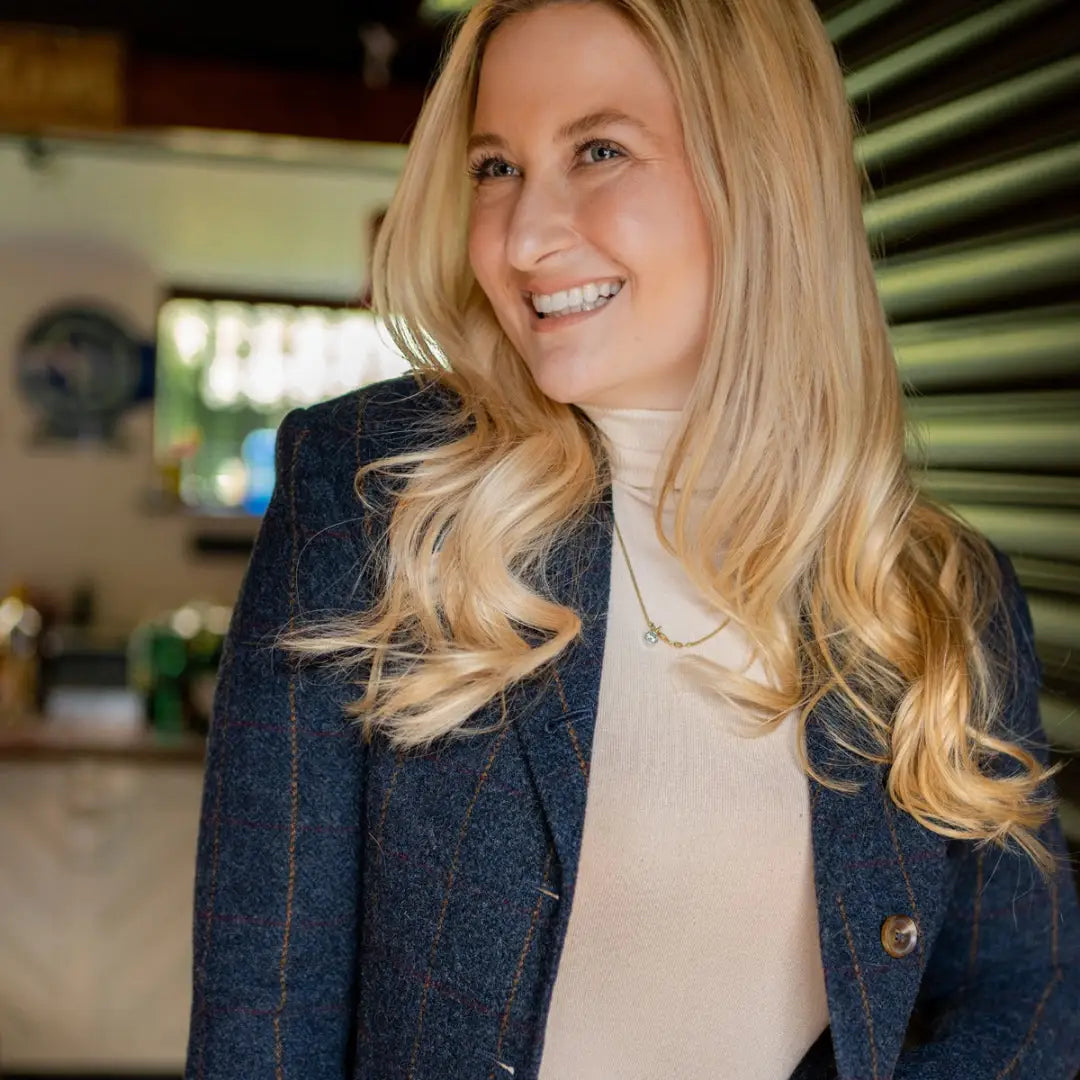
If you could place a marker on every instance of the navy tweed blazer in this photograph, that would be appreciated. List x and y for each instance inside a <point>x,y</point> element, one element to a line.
<point>362,914</point>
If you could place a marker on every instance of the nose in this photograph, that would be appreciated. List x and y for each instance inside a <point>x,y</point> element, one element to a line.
<point>541,224</point>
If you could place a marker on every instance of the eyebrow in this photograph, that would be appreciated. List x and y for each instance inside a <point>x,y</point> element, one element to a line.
<point>588,122</point>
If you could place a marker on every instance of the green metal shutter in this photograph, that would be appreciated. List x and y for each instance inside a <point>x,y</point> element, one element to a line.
<point>971,139</point>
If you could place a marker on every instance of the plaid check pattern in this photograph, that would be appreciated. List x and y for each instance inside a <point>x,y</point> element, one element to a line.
<point>362,914</point>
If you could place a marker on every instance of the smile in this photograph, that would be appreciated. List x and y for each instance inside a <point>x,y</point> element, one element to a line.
<point>585,297</point>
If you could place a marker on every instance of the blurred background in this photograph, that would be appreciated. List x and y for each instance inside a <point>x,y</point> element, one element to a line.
<point>188,195</point>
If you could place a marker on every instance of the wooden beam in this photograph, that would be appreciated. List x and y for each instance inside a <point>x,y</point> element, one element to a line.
<point>174,92</point>
<point>54,77</point>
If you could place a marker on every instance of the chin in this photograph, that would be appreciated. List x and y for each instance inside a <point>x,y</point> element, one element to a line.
<point>559,382</point>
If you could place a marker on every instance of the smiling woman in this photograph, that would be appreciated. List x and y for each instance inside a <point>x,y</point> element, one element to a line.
<point>571,192</point>
<point>627,264</point>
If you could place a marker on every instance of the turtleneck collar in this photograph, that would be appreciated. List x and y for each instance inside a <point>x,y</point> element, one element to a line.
<point>638,438</point>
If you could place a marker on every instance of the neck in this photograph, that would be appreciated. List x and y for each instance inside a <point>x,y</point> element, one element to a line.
<point>638,439</point>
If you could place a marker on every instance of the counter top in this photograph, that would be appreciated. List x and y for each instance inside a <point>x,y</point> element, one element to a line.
<point>35,739</point>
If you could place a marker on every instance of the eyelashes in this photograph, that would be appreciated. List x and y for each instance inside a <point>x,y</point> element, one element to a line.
<point>479,170</point>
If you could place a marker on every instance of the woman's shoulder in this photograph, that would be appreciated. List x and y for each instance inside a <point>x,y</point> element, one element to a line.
<point>1009,640</point>
<point>321,447</point>
<point>386,416</point>
<point>1009,627</point>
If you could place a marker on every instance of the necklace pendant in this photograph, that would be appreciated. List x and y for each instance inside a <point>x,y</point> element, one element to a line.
<point>651,637</point>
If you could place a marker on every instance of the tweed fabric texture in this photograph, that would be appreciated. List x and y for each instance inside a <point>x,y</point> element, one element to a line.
<point>367,915</point>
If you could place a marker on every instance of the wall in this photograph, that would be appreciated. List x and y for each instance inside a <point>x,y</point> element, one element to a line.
<point>119,224</point>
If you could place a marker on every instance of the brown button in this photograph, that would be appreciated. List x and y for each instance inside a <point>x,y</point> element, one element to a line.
<point>899,935</point>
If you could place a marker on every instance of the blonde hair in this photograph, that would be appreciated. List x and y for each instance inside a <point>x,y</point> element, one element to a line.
<point>839,572</point>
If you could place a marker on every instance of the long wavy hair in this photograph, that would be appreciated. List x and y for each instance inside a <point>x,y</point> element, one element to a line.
<point>841,574</point>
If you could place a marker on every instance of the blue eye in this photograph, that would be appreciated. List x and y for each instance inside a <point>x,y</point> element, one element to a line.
<point>598,144</point>
<point>480,170</point>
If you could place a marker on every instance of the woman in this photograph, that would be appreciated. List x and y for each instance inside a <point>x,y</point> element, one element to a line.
<point>640,528</point>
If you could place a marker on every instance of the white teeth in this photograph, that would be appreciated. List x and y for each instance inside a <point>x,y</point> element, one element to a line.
<point>580,298</point>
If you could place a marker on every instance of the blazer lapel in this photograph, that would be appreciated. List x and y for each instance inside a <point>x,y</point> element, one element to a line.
<point>555,723</point>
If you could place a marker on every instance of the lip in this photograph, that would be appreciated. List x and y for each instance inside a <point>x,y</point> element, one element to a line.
<point>547,326</point>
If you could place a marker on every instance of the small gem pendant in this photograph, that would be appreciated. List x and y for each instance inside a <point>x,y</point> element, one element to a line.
<point>651,637</point>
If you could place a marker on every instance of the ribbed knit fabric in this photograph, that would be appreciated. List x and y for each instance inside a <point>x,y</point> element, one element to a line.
<point>692,947</point>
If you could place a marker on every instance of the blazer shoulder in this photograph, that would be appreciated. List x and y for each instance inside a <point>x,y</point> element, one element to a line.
<point>382,418</point>
<point>1010,641</point>
<point>321,447</point>
<point>1010,631</point>
<point>319,520</point>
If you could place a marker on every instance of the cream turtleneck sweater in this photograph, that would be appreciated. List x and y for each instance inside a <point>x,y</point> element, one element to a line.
<point>692,947</point>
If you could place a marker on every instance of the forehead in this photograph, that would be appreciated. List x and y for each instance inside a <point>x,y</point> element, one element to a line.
<point>543,67</point>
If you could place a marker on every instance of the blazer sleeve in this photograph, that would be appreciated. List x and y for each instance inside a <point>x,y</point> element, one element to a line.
<point>1001,993</point>
<point>277,876</point>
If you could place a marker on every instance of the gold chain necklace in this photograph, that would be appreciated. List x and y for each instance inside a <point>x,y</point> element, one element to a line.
<point>654,633</point>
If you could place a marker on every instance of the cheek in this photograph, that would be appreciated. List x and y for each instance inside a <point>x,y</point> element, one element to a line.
<point>654,226</point>
<point>693,231</point>
<point>682,235</point>
<point>486,247</point>
<point>476,249</point>
<point>617,220</point>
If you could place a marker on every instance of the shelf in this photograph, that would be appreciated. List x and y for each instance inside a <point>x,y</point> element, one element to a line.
<point>35,739</point>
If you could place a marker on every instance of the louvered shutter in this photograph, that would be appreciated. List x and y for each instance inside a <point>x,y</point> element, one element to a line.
<point>971,118</point>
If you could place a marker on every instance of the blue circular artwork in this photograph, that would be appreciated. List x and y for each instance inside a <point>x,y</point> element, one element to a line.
<point>79,368</point>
